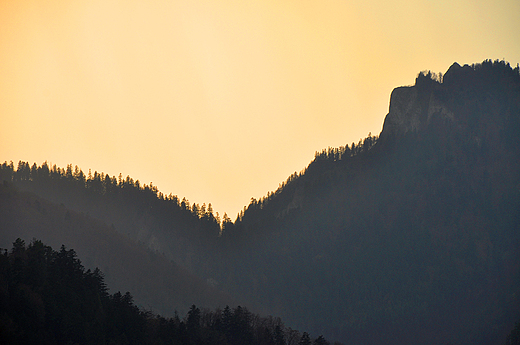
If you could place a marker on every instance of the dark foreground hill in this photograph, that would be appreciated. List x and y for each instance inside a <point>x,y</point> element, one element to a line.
<point>47,297</point>
<point>409,237</point>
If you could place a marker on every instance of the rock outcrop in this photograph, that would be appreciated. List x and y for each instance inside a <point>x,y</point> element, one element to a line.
<point>455,101</point>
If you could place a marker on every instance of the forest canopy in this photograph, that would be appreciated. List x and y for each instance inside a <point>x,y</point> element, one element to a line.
<point>47,297</point>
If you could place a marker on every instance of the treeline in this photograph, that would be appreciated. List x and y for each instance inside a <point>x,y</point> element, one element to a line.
<point>330,154</point>
<point>47,297</point>
<point>487,68</point>
<point>342,152</point>
<point>101,183</point>
<point>73,181</point>
<point>137,210</point>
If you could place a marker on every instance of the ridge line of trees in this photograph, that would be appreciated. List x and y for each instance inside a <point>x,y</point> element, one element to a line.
<point>102,184</point>
<point>342,152</point>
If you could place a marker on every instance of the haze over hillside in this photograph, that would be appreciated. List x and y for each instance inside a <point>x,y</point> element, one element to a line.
<point>409,236</point>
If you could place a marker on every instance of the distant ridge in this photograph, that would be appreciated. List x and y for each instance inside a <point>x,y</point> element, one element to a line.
<point>155,282</point>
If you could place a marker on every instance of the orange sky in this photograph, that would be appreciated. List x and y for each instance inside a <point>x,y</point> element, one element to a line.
<point>220,101</point>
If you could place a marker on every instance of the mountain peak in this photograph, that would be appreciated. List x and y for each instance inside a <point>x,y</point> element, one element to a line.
<point>436,98</point>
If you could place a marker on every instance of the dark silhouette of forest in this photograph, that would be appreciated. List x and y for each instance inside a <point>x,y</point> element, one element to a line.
<point>409,236</point>
<point>47,297</point>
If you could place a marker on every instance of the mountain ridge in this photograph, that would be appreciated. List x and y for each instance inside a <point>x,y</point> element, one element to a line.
<point>439,195</point>
<point>385,241</point>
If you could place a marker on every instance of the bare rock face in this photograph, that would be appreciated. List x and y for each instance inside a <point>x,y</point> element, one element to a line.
<point>405,112</point>
<point>412,108</point>
<point>462,100</point>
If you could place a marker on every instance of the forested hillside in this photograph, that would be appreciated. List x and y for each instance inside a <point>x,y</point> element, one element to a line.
<point>47,297</point>
<point>415,237</point>
<point>411,236</point>
<point>156,282</point>
<point>164,223</point>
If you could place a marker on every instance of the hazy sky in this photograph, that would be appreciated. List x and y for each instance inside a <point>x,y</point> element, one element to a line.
<point>220,101</point>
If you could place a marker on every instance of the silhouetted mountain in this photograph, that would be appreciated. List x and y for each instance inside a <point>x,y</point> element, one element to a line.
<point>409,237</point>
<point>412,239</point>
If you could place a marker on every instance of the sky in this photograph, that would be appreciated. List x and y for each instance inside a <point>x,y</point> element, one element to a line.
<point>220,101</point>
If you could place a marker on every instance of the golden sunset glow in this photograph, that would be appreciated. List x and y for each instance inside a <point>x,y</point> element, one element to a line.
<point>220,101</point>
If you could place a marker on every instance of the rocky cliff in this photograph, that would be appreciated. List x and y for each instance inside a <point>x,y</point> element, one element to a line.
<point>462,100</point>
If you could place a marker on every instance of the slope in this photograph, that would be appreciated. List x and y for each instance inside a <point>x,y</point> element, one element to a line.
<point>181,232</point>
<point>156,283</point>
<point>413,239</point>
